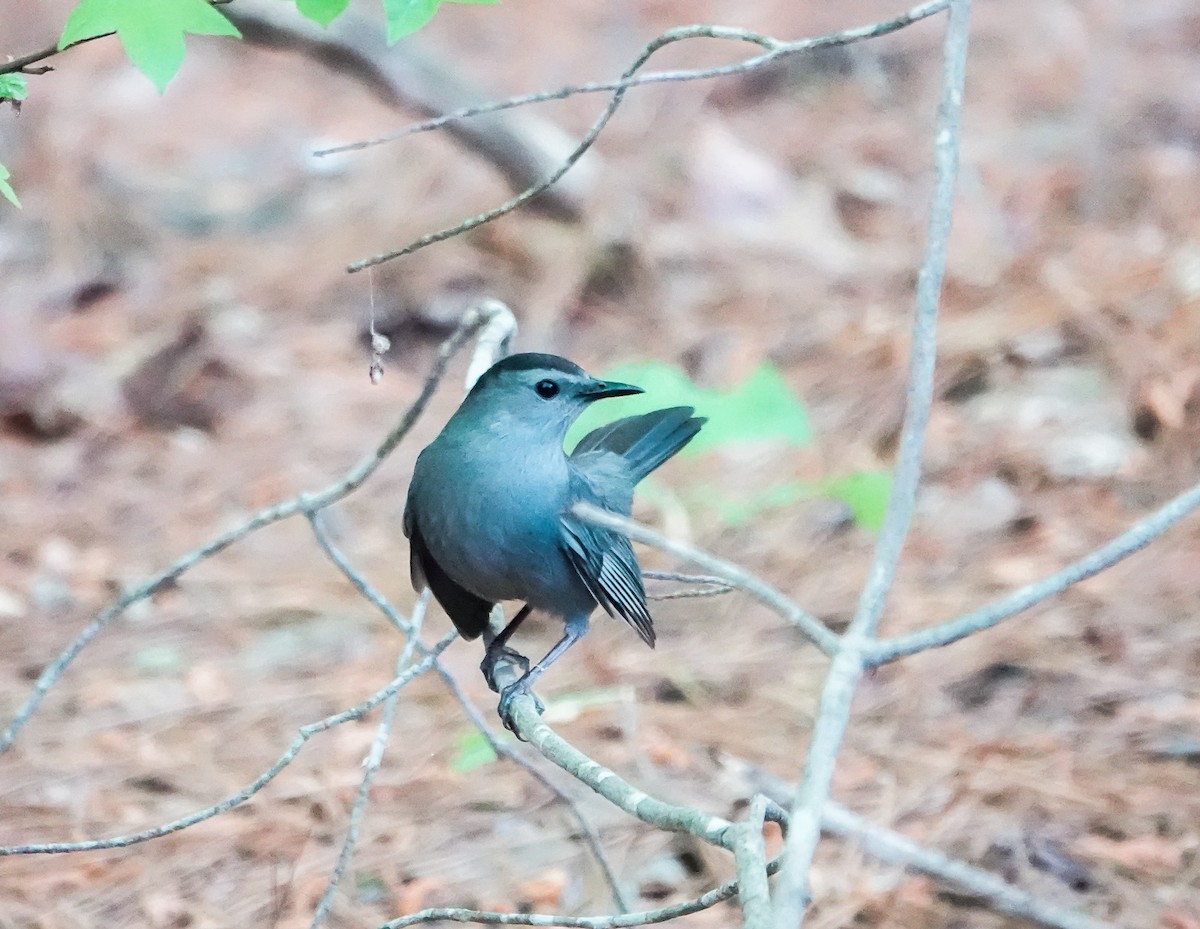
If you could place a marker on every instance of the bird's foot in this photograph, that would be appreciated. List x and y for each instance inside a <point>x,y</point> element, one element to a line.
<point>510,693</point>
<point>493,657</point>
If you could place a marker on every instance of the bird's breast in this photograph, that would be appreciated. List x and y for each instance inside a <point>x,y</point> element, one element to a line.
<point>490,513</point>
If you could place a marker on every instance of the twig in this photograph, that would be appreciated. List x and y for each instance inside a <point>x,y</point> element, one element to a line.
<point>472,320</point>
<point>682,578</point>
<point>713,585</point>
<point>774,47</point>
<point>750,855</point>
<point>890,846</point>
<point>692,594</point>
<point>371,767</point>
<point>835,820</point>
<point>1124,545</point>
<point>378,600</point>
<point>727,573</point>
<point>846,670</point>
<point>528,726</point>
<point>417,80</point>
<point>305,733</point>
<point>493,341</point>
<point>22,65</point>
<point>644,918</point>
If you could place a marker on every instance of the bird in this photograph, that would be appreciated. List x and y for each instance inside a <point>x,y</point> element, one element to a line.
<point>489,511</point>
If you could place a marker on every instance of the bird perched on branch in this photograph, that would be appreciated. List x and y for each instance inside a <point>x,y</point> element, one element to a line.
<point>489,514</point>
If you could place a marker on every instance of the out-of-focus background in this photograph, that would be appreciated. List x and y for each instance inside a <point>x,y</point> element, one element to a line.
<point>180,345</point>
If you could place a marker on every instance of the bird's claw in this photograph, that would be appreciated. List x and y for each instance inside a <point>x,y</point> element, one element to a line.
<point>510,693</point>
<point>493,656</point>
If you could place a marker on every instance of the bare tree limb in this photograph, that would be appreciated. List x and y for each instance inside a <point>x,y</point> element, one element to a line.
<point>726,573</point>
<point>229,803</point>
<point>1124,545</point>
<point>371,766</point>
<point>712,586</point>
<point>502,749</point>
<point>529,727</point>
<point>750,855</point>
<point>846,670</point>
<point>644,918</point>
<point>836,820</point>
<point>24,64</point>
<point>472,321</point>
<point>774,47</point>
<point>413,78</point>
<point>892,847</point>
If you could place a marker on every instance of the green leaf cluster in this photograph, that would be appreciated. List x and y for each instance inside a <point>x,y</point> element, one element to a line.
<point>6,190</point>
<point>759,408</point>
<point>472,750</point>
<point>152,31</point>
<point>14,87</point>
<point>404,17</point>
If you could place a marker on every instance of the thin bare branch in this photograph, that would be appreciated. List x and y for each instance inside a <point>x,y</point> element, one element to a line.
<point>473,320</point>
<point>712,586</point>
<point>644,918</point>
<point>693,594</point>
<point>884,843</point>
<point>726,573</point>
<point>24,64</point>
<point>497,744</point>
<point>528,726</point>
<point>846,670</point>
<point>236,800</point>
<point>1124,545</point>
<point>892,847</point>
<point>750,855</point>
<point>775,50</point>
<point>371,766</point>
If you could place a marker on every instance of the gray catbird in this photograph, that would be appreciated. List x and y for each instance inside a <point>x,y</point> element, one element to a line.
<point>489,507</point>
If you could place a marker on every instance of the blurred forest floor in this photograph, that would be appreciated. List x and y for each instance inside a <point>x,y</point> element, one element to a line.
<point>180,345</point>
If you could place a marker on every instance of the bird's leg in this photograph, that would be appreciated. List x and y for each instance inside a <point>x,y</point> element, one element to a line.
<point>498,649</point>
<point>575,628</point>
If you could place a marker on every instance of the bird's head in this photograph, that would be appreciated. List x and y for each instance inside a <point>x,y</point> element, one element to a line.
<point>539,391</point>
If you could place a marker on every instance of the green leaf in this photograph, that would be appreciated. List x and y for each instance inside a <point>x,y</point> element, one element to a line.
<point>404,17</point>
<point>472,751</point>
<point>151,31</point>
<point>865,492</point>
<point>13,87</point>
<point>738,511</point>
<point>6,190</point>
<point>371,888</point>
<point>760,408</point>
<point>322,12</point>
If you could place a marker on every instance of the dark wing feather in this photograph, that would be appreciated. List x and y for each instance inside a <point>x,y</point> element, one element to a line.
<point>468,612</point>
<point>644,441</point>
<point>605,562</point>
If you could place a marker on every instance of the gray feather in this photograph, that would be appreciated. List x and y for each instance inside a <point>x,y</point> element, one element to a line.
<point>645,441</point>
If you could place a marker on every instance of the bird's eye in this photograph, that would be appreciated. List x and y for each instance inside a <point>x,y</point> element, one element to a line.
<point>546,389</point>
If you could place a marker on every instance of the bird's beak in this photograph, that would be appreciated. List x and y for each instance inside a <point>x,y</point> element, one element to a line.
<point>599,390</point>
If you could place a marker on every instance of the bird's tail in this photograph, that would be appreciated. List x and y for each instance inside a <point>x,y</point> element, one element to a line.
<point>644,441</point>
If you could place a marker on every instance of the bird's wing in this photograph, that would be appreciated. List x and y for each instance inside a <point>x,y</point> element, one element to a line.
<point>644,442</point>
<point>468,612</point>
<point>603,559</point>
